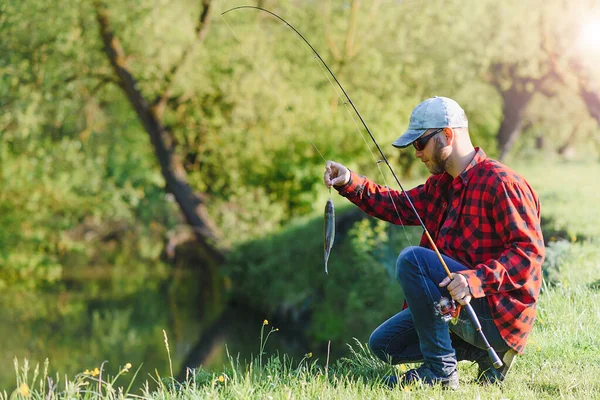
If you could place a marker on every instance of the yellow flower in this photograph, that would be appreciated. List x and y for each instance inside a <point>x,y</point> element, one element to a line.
<point>276,329</point>
<point>24,389</point>
<point>128,365</point>
<point>87,372</point>
<point>265,322</point>
<point>403,368</point>
<point>96,372</point>
<point>309,355</point>
<point>539,348</point>
<point>221,378</point>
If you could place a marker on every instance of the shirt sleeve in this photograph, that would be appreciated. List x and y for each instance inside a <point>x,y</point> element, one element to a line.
<point>516,214</point>
<point>382,202</point>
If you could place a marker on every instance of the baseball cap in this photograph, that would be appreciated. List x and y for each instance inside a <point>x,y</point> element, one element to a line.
<point>435,112</point>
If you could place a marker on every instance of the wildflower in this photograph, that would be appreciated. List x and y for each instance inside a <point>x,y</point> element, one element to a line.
<point>221,378</point>
<point>87,372</point>
<point>539,348</point>
<point>96,372</point>
<point>403,368</point>
<point>126,367</point>
<point>276,329</point>
<point>265,322</point>
<point>24,389</point>
<point>309,355</point>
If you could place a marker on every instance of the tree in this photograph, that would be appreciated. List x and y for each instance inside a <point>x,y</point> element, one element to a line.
<point>193,205</point>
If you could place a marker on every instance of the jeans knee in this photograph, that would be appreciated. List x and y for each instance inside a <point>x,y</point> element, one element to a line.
<point>405,262</point>
<point>377,346</point>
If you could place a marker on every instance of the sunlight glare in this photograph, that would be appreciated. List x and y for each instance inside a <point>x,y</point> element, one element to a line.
<point>589,36</point>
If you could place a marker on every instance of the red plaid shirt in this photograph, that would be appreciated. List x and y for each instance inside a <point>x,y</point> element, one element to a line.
<point>488,219</point>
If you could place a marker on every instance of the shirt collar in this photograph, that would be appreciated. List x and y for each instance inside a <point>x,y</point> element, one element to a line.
<point>446,179</point>
<point>466,175</point>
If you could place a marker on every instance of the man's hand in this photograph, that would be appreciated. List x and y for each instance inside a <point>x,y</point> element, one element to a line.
<point>458,288</point>
<point>335,174</point>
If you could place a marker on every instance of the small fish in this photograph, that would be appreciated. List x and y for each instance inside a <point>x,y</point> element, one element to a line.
<point>329,231</point>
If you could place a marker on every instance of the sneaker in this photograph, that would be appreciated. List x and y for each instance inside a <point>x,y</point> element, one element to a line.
<point>426,376</point>
<point>487,374</point>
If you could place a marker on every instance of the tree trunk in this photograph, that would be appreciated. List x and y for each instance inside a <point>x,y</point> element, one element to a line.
<point>516,100</point>
<point>191,204</point>
<point>565,148</point>
<point>591,99</point>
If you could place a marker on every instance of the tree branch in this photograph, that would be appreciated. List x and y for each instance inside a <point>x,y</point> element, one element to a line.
<point>201,30</point>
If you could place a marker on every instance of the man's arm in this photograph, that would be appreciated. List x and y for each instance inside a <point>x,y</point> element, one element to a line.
<point>382,202</point>
<point>516,213</point>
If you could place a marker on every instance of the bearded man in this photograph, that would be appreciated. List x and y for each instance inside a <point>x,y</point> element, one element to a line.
<point>485,220</point>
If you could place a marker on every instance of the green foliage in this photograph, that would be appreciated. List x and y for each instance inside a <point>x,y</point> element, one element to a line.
<point>253,113</point>
<point>69,169</point>
<point>557,254</point>
<point>285,273</point>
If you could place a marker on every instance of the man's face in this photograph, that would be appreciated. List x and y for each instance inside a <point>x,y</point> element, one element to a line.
<point>433,155</point>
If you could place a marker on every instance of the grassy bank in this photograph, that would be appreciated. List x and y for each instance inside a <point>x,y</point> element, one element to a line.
<point>561,360</point>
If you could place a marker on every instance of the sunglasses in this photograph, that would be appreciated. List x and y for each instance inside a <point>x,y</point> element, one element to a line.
<point>421,142</point>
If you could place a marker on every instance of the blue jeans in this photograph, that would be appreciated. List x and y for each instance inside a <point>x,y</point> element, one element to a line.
<point>418,333</point>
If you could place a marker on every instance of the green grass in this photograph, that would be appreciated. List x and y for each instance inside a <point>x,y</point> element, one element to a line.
<point>562,359</point>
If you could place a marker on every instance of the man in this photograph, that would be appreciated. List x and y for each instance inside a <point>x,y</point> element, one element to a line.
<point>485,220</point>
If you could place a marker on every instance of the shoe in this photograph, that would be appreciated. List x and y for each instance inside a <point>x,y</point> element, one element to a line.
<point>487,374</point>
<point>425,376</point>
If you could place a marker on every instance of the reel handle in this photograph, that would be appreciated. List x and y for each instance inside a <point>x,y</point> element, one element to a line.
<point>496,362</point>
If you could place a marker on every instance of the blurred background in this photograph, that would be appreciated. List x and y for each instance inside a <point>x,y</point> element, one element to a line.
<point>161,164</point>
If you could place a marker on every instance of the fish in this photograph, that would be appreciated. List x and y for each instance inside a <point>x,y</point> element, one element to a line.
<point>329,230</point>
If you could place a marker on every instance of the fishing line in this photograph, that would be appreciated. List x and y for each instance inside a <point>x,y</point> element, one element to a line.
<point>378,164</point>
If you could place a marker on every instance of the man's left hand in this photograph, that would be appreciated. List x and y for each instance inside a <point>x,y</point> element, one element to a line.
<point>458,287</point>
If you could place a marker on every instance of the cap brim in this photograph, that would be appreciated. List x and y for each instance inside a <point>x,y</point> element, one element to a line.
<point>408,137</point>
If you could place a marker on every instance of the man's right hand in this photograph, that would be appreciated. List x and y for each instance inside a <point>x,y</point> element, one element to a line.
<point>336,174</point>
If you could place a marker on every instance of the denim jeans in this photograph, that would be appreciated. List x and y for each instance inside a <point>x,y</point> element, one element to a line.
<point>418,333</point>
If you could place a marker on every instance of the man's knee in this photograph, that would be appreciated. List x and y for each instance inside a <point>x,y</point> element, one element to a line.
<point>406,261</point>
<point>377,345</point>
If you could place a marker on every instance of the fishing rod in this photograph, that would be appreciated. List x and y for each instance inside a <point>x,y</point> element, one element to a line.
<point>470,312</point>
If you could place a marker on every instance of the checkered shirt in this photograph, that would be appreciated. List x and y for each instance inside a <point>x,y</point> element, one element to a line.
<point>488,219</point>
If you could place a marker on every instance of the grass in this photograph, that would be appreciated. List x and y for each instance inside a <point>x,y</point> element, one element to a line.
<point>561,360</point>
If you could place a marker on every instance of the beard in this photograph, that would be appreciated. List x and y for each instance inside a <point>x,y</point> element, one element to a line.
<point>438,161</point>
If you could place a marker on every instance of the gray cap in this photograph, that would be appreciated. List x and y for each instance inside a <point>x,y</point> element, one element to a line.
<point>435,112</point>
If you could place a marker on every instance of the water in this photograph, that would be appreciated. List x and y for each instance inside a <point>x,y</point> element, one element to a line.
<point>117,315</point>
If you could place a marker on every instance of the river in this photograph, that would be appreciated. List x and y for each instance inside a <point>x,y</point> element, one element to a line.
<point>116,315</point>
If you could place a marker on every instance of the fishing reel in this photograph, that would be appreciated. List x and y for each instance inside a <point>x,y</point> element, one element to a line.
<point>447,310</point>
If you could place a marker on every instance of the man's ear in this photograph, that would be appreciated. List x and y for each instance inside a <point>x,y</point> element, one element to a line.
<point>450,136</point>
